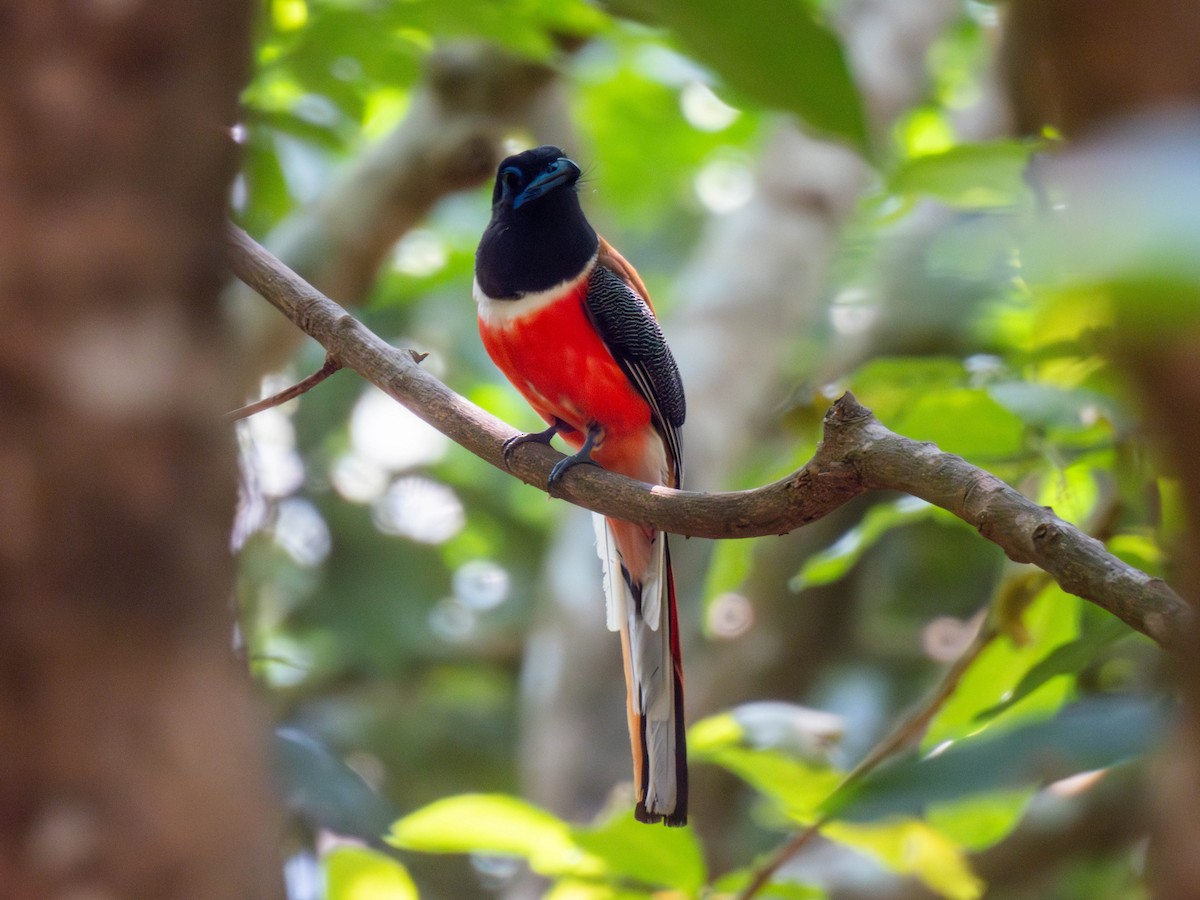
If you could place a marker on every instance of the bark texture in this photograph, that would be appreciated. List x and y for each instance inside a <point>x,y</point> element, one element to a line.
<point>133,759</point>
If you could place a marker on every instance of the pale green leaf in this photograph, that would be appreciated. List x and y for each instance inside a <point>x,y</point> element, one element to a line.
<point>1049,406</point>
<point>495,823</point>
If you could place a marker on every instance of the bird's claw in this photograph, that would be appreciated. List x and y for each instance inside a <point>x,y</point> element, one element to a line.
<point>536,437</point>
<point>560,469</point>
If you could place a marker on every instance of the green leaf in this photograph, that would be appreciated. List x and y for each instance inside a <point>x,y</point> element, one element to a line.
<point>911,847</point>
<point>1140,550</point>
<point>1092,734</point>
<point>929,399</point>
<point>836,561</point>
<point>968,175</point>
<point>796,787</point>
<point>495,823</point>
<point>888,384</point>
<point>668,857</point>
<point>325,791</point>
<point>979,821</point>
<point>964,421</point>
<point>1065,659</point>
<point>775,52</point>
<point>1052,619</point>
<point>355,873</point>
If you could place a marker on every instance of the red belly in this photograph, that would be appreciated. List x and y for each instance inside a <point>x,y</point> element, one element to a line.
<point>558,362</point>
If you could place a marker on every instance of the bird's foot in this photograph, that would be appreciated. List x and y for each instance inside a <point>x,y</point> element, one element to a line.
<point>536,437</point>
<point>583,457</point>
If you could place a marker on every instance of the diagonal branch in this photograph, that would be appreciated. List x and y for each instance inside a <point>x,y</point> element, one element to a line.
<point>857,454</point>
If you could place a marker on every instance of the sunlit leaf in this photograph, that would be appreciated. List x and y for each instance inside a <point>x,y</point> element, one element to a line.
<point>911,847</point>
<point>1140,550</point>
<point>1065,659</point>
<point>1052,619</point>
<point>356,873</point>
<point>775,52</point>
<point>495,823</point>
<point>1072,492</point>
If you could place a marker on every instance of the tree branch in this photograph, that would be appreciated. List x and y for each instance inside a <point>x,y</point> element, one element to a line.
<point>857,454</point>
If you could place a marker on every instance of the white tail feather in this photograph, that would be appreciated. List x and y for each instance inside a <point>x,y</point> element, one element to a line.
<point>616,592</point>
<point>649,666</point>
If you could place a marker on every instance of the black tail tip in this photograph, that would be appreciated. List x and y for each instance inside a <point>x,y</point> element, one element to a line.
<point>675,819</point>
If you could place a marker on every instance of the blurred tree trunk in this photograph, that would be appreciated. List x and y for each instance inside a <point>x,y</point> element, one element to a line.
<point>133,757</point>
<point>1088,67</point>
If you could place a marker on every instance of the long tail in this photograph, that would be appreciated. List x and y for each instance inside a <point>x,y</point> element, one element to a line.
<point>642,609</point>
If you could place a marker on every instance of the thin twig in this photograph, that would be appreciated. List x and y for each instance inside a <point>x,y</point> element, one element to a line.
<point>291,392</point>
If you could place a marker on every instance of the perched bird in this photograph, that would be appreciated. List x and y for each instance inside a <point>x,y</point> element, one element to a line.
<point>569,322</point>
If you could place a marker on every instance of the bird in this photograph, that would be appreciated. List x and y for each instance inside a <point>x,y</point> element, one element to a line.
<point>569,322</point>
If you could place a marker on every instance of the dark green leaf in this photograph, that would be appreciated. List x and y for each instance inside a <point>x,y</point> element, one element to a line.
<point>324,791</point>
<point>1091,734</point>
<point>775,52</point>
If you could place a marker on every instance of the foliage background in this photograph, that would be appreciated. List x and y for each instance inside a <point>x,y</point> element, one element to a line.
<point>428,629</point>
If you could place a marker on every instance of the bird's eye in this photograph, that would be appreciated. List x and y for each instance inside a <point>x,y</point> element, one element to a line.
<point>508,183</point>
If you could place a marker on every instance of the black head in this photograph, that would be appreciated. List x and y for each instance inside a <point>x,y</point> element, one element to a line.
<point>538,235</point>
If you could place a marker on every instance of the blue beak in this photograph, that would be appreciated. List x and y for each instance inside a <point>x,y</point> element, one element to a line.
<point>561,171</point>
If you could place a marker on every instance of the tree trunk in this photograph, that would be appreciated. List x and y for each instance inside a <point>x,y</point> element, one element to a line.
<point>132,756</point>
